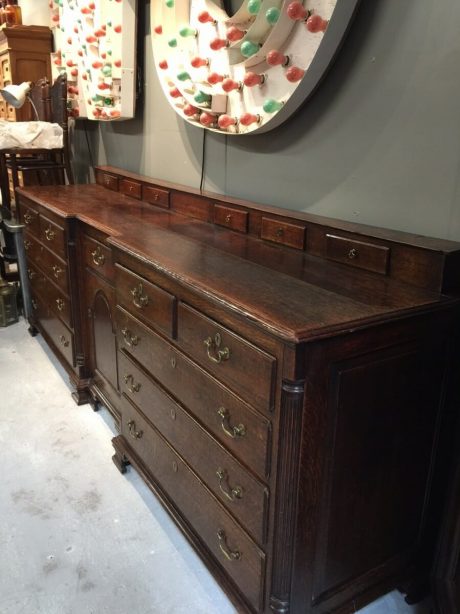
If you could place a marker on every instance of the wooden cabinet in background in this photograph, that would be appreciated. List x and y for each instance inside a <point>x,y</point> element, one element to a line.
<point>24,56</point>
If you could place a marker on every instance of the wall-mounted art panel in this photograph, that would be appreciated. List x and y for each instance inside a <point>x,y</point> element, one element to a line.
<point>95,43</point>
<point>247,72</point>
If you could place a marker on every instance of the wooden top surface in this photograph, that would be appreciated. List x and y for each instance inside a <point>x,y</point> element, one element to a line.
<point>290,293</point>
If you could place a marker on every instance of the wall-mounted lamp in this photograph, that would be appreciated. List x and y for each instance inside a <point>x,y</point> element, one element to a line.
<point>16,95</point>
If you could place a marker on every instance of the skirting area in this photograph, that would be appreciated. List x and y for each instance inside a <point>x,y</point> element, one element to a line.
<point>76,536</point>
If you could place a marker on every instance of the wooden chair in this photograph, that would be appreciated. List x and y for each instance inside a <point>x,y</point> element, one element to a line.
<point>41,166</point>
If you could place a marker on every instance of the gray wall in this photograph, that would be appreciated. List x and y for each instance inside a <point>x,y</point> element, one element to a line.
<point>379,142</point>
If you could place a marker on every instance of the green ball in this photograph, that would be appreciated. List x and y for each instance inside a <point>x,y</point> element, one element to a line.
<point>271,105</point>
<point>183,76</point>
<point>272,15</point>
<point>172,42</point>
<point>254,6</point>
<point>249,48</point>
<point>169,3</point>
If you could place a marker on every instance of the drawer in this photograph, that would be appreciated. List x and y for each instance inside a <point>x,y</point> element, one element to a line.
<point>231,548</point>
<point>55,269</point>
<point>107,180</point>
<point>291,235</point>
<point>156,196</point>
<point>37,280</point>
<point>240,429</point>
<point>130,188</point>
<point>58,302</point>
<point>30,218</point>
<point>52,235</point>
<point>246,369</point>
<point>235,219</point>
<point>244,496</point>
<point>360,254</point>
<point>34,249</point>
<point>145,300</point>
<point>59,334</point>
<point>98,257</point>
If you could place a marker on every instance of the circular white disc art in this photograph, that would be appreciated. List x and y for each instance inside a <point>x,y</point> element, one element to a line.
<point>246,73</point>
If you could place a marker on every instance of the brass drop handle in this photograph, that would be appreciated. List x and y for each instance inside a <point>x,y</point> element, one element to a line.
<point>231,555</point>
<point>31,274</point>
<point>279,231</point>
<point>132,430</point>
<point>56,271</point>
<point>215,354</point>
<point>64,341</point>
<point>230,431</point>
<point>34,304</point>
<point>129,338</point>
<point>130,384</point>
<point>27,245</point>
<point>225,488</point>
<point>60,304</point>
<point>98,256</point>
<point>28,218</point>
<point>49,234</point>
<point>140,299</point>
<point>353,253</point>
<point>228,218</point>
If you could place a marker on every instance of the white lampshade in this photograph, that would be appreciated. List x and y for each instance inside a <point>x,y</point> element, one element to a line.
<point>15,95</point>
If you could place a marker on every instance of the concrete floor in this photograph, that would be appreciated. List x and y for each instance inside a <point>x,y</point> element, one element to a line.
<point>77,537</point>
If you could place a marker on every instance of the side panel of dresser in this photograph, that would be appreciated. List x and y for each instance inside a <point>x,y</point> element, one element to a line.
<point>366,518</point>
<point>98,309</point>
<point>52,265</point>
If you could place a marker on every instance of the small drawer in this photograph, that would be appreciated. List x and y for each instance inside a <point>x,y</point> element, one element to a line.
<point>59,303</point>
<point>156,196</point>
<point>235,219</point>
<point>34,250</point>
<point>56,269</point>
<point>291,235</point>
<point>30,218</point>
<point>233,550</point>
<point>59,334</point>
<point>240,429</point>
<point>244,496</point>
<point>98,257</point>
<point>107,180</point>
<point>145,300</point>
<point>359,254</point>
<point>130,188</point>
<point>52,236</point>
<point>246,369</point>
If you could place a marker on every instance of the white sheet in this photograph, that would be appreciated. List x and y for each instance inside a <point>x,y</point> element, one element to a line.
<point>30,135</point>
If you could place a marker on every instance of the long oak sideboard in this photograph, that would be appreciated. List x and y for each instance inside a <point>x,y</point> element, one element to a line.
<point>279,379</point>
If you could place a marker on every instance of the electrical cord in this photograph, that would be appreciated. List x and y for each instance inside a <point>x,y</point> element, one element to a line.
<point>203,159</point>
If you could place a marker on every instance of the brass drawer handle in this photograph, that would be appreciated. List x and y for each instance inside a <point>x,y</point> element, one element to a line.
<point>98,256</point>
<point>225,488</point>
<point>60,304</point>
<point>279,232</point>
<point>132,430</point>
<point>353,253</point>
<point>31,274</point>
<point>27,245</point>
<point>34,304</point>
<point>231,555</point>
<point>139,298</point>
<point>130,385</point>
<point>213,345</point>
<point>64,341</point>
<point>228,218</point>
<point>129,338</point>
<point>49,234</point>
<point>231,431</point>
<point>56,271</point>
<point>28,218</point>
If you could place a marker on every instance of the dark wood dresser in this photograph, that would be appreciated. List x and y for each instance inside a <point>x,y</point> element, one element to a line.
<point>279,379</point>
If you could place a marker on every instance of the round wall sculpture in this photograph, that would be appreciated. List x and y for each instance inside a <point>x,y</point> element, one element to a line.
<point>245,73</point>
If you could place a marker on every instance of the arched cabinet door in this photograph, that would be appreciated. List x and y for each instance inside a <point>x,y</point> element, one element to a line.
<point>101,341</point>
